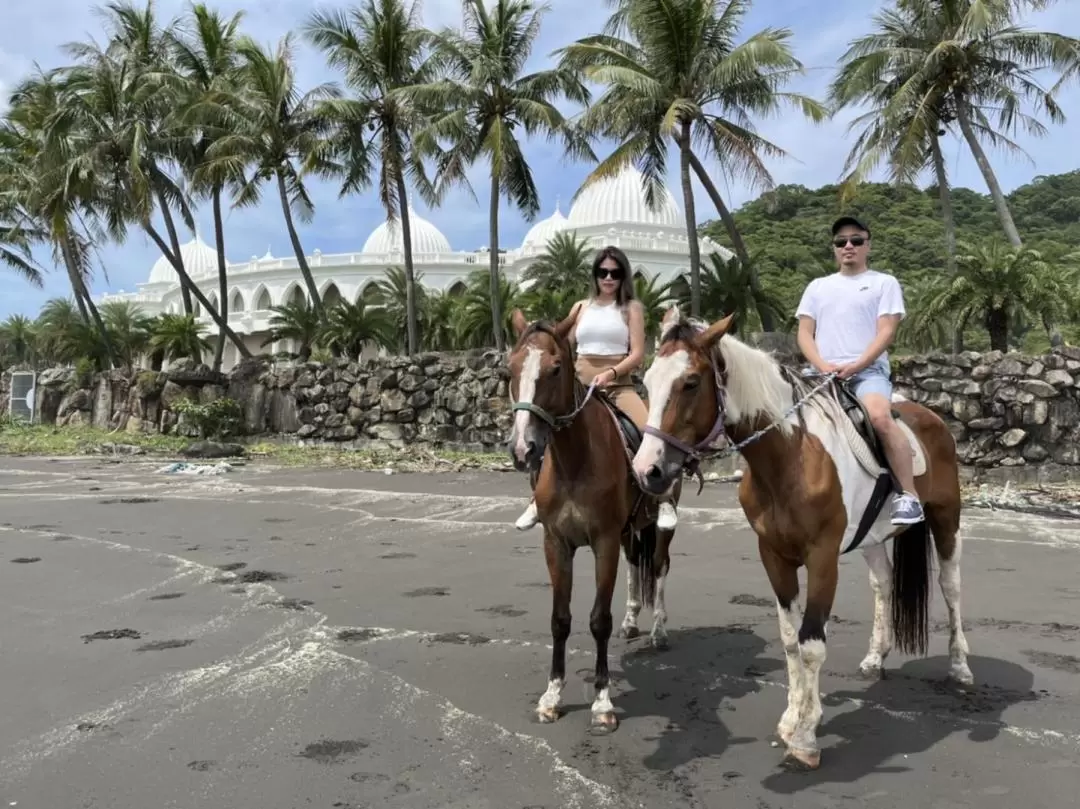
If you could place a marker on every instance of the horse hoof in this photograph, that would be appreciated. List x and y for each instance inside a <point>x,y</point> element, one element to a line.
<point>659,642</point>
<point>603,723</point>
<point>961,675</point>
<point>545,716</point>
<point>872,672</point>
<point>799,760</point>
<point>629,632</point>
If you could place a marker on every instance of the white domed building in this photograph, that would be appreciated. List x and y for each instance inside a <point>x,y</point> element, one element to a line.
<point>610,212</point>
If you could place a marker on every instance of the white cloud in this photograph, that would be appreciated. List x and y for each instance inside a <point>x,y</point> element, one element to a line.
<point>35,31</point>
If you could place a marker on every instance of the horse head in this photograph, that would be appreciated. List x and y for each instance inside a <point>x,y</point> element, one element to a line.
<point>542,386</point>
<point>685,386</point>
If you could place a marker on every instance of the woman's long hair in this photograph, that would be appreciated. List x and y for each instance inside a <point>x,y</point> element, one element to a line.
<point>625,293</point>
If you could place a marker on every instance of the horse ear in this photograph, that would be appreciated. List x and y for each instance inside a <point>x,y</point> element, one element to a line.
<point>708,338</point>
<point>671,317</point>
<point>518,321</point>
<point>564,326</point>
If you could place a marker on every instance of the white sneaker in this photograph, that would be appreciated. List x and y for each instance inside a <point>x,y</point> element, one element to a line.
<point>668,517</point>
<point>528,519</point>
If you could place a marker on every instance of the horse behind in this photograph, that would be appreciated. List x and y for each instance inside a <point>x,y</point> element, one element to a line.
<point>812,491</point>
<point>585,496</point>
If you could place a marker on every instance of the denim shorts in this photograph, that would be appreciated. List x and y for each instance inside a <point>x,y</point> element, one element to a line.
<point>874,379</point>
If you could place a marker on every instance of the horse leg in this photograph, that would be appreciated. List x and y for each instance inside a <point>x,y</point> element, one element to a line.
<point>606,552</point>
<point>629,628</point>
<point>662,566</point>
<point>881,639</point>
<point>947,542</point>
<point>784,578</point>
<point>822,572</point>
<point>560,563</point>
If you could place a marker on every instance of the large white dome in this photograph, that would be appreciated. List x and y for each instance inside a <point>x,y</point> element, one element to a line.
<point>200,261</point>
<point>426,238</point>
<point>620,200</point>
<point>543,231</point>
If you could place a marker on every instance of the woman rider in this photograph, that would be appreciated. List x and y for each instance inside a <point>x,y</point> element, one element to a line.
<point>609,332</point>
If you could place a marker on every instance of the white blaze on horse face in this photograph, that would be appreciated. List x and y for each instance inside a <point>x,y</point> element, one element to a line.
<point>659,380</point>
<point>530,374</point>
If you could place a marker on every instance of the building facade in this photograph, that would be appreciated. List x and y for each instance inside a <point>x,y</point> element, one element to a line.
<point>610,212</point>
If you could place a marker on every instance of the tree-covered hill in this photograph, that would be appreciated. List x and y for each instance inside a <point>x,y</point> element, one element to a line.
<point>787,229</point>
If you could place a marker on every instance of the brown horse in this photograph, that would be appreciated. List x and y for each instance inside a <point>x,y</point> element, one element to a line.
<point>585,495</point>
<point>814,489</point>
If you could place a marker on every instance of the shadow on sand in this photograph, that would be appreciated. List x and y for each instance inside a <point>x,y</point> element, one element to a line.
<point>910,711</point>
<point>692,685</point>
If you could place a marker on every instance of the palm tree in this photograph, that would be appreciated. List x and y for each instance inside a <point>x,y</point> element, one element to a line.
<point>483,106</point>
<point>117,101</point>
<point>179,336</point>
<point>204,52</point>
<point>676,73</point>
<point>130,330</point>
<point>381,48</point>
<point>977,62</point>
<point>55,195</point>
<point>725,289</point>
<point>564,266</point>
<point>391,294</point>
<point>351,326</point>
<point>275,130</point>
<point>872,71</point>
<point>18,341</point>
<point>999,284</point>
<point>299,321</point>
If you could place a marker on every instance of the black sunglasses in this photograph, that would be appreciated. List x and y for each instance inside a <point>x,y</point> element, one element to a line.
<point>856,241</point>
<point>604,272</point>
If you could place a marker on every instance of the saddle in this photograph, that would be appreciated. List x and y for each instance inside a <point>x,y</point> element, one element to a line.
<point>860,419</point>
<point>628,431</point>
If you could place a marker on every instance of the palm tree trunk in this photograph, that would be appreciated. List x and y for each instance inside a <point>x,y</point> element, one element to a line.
<point>945,199</point>
<point>998,196</point>
<point>185,278</point>
<point>997,325</point>
<point>767,322</point>
<point>174,240</point>
<point>301,260</point>
<point>493,224</point>
<point>81,292</point>
<point>223,281</point>
<point>412,344</point>
<point>691,222</point>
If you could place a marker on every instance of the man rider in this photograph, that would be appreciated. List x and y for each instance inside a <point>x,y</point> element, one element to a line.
<point>847,320</point>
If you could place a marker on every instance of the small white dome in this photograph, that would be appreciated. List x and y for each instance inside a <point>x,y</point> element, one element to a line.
<point>426,238</point>
<point>621,200</point>
<point>200,261</point>
<point>543,231</point>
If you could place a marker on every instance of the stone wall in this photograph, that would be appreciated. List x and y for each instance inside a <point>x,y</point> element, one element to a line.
<point>1005,410</point>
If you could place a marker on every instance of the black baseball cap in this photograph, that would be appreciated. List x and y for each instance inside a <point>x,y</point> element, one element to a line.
<point>849,220</point>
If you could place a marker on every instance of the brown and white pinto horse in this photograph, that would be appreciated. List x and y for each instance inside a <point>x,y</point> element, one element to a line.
<point>805,493</point>
<point>585,495</point>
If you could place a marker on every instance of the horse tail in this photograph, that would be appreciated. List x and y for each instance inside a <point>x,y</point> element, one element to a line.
<point>911,588</point>
<point>643,557</point>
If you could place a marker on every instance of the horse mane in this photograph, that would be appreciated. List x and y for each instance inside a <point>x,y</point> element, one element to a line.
<point>757,383</point>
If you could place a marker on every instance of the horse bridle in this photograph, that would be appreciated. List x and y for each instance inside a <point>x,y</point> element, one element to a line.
<point>556,423</point>
<point>561,421</point>
<point>696,454</point>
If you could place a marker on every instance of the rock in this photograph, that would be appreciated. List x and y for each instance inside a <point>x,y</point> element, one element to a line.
<point>1058,378</point>
<point>1013,437</point>
<point>212,449</point>
<point>1036,387</point>
<point>1008,367</point>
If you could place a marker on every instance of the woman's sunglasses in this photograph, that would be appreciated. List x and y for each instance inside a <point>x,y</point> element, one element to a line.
<point>855,241</point>
<point>604,272</point>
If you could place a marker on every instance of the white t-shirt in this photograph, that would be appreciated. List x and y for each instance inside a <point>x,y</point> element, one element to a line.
<point>846,309</point>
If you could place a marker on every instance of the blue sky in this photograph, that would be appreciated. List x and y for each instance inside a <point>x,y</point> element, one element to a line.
<point>36,31</point>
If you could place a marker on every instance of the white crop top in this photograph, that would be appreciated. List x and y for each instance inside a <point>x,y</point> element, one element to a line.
<point>602,331</point>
